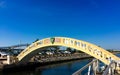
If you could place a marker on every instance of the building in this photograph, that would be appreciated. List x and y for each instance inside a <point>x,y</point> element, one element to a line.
<point>4,58</point>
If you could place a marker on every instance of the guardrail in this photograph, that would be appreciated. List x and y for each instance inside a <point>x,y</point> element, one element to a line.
<point>112,68</point>
<point>87,66</point>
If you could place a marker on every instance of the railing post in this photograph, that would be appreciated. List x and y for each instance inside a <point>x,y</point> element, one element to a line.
<point>96,67</point>
<point>110,70</point>
<point>83,68</point>
<point>117,68</point>
<point>113,68</point>
<point>89,69</point>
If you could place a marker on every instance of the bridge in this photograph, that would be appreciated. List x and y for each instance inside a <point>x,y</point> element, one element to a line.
<point>93,50</point>
<point>97,52</point>
<point>14,46</point>
<point>88,48</point>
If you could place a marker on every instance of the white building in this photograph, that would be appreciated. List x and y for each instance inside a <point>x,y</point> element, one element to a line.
<point>4,58</point>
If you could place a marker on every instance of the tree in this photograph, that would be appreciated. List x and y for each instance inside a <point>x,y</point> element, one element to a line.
<point>54,48</point>
<point>74,50</point>
<point>36,40</point>
<point>69,49</point>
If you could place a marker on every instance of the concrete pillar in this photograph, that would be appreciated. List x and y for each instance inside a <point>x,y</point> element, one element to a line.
<point>8,59</point>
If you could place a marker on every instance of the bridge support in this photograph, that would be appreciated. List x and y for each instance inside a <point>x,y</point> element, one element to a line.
<point>8,59</point>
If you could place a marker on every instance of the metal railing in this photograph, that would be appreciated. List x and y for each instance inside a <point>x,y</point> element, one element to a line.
<point>112,69</point>
<point>86,66</point>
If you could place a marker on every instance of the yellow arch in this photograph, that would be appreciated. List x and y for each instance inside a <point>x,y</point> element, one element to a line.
<point>83,46</point>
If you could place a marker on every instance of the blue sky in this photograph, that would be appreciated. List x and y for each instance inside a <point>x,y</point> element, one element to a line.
<point>95,21</point>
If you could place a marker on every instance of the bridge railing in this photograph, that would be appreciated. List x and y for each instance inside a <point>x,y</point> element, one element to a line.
<point>113,68</point>
<point>93,63</point>
<point>110,70</point>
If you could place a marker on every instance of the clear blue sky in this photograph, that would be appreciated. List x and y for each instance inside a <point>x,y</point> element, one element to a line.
<point>95,21</point>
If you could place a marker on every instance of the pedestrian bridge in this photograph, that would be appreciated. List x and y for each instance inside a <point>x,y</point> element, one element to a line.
<point>88,48</point>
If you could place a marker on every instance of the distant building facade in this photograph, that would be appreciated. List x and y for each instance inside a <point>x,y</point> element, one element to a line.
<point>4,58</point>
